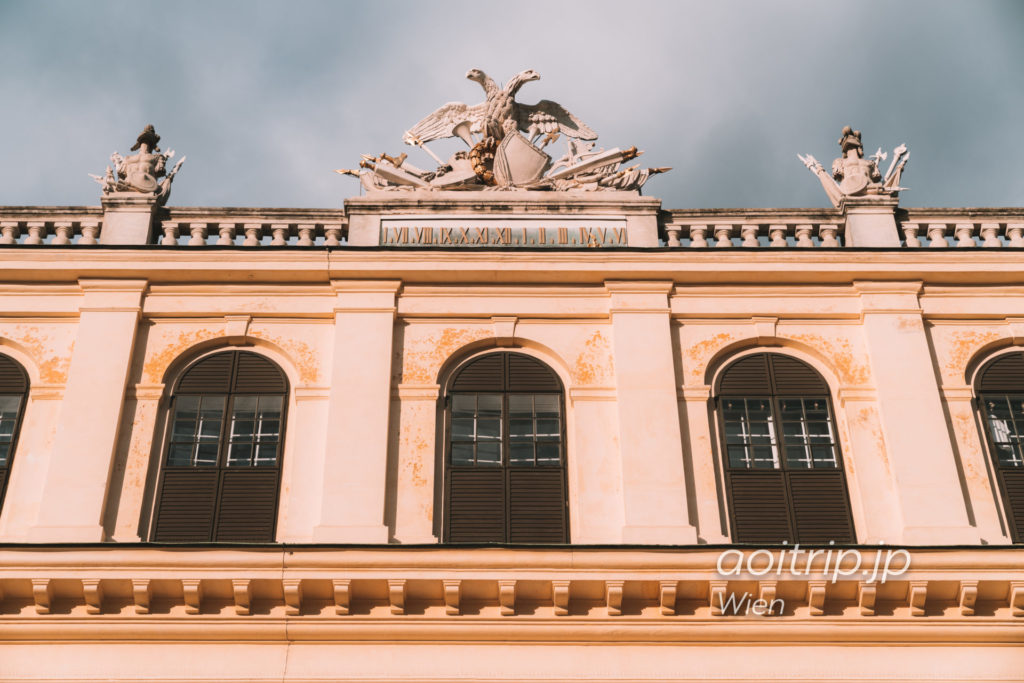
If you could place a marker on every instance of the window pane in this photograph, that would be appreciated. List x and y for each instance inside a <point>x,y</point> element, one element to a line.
<point>521,454</point>
<point>184,429</point>
<point>488,453</point>
<point>521,429</point>
<point>462,428</point>
<point>738,457</point>
<point>9,406</point>
<point>798,458</point>
<point>549,454</point>
<point>242,430</point>
<point>244,407</point>
<point>765,457</point>
<point>180,455</point>
<point>5,449</point>
<point>266,455</point>
<point>240,455</point>
<point>463,404</point>
<point>270,407</point>
<point>824,456</point>
<point>488,429</point>
<point>206,454</point>
<point>520,404</point>
<point>547,405</point>
<point>548,429</point>
<point>489,404</point>
<point>462,454</point>
<point>187,404</point>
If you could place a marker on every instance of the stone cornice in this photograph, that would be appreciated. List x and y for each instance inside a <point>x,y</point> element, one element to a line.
<point>163,593</point>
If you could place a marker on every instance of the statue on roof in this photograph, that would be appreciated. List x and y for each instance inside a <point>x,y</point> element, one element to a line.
<point>855,176</point>
<point>506,143</point>
<point>145,172</point>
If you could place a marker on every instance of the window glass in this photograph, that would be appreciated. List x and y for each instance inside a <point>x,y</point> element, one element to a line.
<point>195,431</point>
<point>8,423</point>
<point>750,433</point>
<point>807,433</point>
<point>481,423</point>
<point>1005,415</point>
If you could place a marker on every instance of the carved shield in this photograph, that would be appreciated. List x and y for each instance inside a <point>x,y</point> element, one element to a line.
<point>517,162</point>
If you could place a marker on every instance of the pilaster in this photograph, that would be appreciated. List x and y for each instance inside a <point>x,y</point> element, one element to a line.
<point>917,440</point>
<point>355,467</point>
<point>74,495</point>
<point>653,475</point>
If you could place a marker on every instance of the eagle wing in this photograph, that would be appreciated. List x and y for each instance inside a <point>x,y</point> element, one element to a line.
<point>551,117</point>
<point>442,123</point>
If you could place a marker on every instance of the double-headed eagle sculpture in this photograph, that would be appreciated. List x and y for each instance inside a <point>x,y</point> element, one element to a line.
<point>505,142</point>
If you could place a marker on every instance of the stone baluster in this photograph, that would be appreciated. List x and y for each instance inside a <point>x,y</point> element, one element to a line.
<point>723,233</point>
<point>673,231</point>
<point>306,234</point>
<point>198,231</point>
<point>990,235</point>
<point>90,230</point>
<point>280,233</point>
<point>1015,233</point>
<point>227,234</point>
<point>698,235</point>
<point>253,233</point>
<point>828,234</point>
<point>36,232</point>
<point>9,232</point>
<point>749,234</point>
<point>964,234</point>
<point>777,233</point>
<point>937,235</point>
<point>333,235</point>
<point>62,230</point>
<point>910,231</point>
<point>803,235</point>
<point>170,237</point>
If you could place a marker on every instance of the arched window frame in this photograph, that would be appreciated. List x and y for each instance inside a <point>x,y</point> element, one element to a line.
<point>14,384</point>
<point>511,487</point>
<point>233,517</point>
<point>998,385</point>
<point>795,487</point>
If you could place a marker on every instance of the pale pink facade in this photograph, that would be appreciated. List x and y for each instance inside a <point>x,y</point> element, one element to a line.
<point>638,329</point>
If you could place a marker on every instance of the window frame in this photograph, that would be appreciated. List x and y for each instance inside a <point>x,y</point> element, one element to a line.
<point>505,465</point>
<point>223,444</point>
<point>783,470</point>
<point>5,471</point>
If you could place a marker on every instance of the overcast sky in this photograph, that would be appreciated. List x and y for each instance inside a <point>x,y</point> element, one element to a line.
<point>265,98</point>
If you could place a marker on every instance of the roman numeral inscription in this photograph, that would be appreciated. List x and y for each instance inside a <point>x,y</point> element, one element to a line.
<point>558,232</point>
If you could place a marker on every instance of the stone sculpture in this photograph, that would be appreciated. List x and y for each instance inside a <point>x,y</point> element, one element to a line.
<point>855,176</point>
<point>145,172</point>
<point>506,143</point>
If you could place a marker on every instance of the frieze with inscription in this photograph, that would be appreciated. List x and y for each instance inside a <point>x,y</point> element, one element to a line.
<point>579,234</point>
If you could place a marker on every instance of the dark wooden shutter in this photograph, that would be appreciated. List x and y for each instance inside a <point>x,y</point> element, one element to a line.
<point>746,377</point>
<point>257,375</point>
<point>476,505</point>
<point>537,505</point>
<point>1005,374</point>
<point>1013,495</point>
<point>248,505</point>
<point>486,373</point>
<point>211,375</point>
<point>13,378</point>
<point>529,375</point>
<point>792,377</point>
<point>821,511</point>
<point>760,508</point>
<point>188,505</point>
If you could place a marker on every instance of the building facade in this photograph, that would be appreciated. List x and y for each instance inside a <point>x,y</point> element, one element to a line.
<point>453,434</point>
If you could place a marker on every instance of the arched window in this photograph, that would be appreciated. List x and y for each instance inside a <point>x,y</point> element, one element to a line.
<point>505,455</point>
<point>1000,388</point>
<point>13,394</point>
<point>783,468</point>
<point>222,463</point>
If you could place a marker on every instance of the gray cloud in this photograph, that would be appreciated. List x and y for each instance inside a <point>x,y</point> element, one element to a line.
<point>267,98</point>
